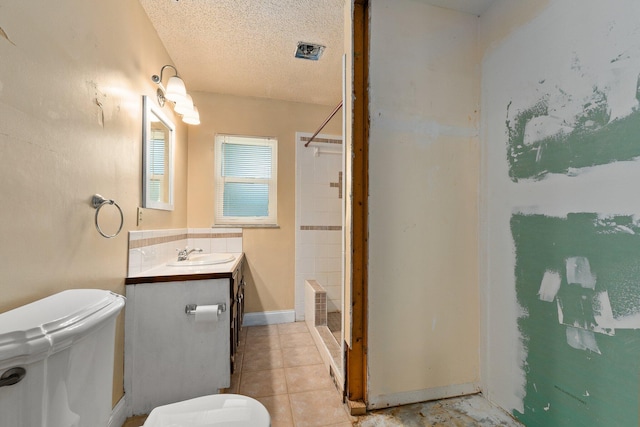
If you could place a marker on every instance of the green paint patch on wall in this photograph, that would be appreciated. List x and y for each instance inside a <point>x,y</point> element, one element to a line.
<point>578,283</point>
<point>593,139</point>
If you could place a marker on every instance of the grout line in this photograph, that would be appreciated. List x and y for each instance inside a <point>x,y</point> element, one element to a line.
<point>293,420</point>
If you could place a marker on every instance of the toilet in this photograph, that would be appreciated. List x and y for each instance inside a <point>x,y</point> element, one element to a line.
<point>231,410</point>
<point>56,369</point>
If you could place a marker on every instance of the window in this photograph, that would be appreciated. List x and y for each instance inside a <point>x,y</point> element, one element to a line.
<point>245,180</point>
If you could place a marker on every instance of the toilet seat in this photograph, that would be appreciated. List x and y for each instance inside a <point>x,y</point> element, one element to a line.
<point>215,410</point>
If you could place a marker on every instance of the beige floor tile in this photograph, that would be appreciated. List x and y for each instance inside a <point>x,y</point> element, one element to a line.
<point>262,330</point>
<point>279,409</point>
<point>239,357</point>
<point>301,356</point>
<point>306,378</point>
<point>263,383</point>
<point>292,328</point>
<point>262,359</point>
<point>318,408</point>
<point>296,340</point>
<point>260,342</point>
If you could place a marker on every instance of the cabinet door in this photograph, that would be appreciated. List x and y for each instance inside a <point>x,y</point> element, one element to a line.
<point>241,302</point>
<point>171,356</point>
<point>233,316</point>
<point>237,311</point>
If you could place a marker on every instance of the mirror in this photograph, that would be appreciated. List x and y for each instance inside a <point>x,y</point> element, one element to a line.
<point>158,134</point>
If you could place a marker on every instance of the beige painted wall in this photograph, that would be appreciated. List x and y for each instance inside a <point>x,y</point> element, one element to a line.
<point>423,205</point>
<point>58,147</point>
<point>270,252</point>
<point>503,18</point>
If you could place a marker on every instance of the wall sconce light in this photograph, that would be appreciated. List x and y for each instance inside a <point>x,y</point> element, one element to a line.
<point>176,93</point>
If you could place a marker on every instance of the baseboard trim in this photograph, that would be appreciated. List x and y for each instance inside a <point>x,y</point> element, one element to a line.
<point>397,399</point>
<point>118,413</point>
<point>269,317</point>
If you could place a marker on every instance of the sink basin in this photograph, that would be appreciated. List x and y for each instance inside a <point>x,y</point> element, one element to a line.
<point>203,259</point>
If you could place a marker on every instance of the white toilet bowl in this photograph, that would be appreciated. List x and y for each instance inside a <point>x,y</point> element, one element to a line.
<point>230,410</point>
<point>56,360</point>
<point>53,350</point>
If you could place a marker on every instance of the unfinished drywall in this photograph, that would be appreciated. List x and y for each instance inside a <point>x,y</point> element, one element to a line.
<point>72,76</point>
<point>423,308</point>
<point>559,216</point>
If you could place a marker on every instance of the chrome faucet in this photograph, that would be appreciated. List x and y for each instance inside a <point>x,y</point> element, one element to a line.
<point>183,255</point>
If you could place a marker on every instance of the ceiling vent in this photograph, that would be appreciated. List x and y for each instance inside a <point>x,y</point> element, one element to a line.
<point>310,51</point>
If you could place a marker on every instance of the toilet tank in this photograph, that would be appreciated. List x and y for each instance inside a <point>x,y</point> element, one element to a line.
<point>65,345</point>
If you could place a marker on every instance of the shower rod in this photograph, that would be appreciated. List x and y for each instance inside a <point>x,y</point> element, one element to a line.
<point>333,113</point>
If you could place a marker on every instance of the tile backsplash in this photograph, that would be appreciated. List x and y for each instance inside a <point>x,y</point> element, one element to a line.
<point>151,248</point>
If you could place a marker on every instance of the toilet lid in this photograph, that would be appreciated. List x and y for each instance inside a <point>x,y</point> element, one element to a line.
<point>35,331</point>
<point>216,410</point>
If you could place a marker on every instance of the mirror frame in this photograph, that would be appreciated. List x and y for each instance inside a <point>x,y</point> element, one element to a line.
<point>148,108</point>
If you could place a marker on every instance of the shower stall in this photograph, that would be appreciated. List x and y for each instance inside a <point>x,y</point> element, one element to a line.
<point>319,266</point>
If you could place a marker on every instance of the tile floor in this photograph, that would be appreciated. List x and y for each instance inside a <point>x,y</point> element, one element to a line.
<point>280,366</point>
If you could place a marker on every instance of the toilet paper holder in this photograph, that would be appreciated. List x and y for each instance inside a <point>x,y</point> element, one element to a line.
<point>190,309</point>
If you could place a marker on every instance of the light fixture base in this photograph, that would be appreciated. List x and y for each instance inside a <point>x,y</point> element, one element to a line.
<point>161,98</point>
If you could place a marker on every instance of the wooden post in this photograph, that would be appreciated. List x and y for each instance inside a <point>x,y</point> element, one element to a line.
<point>356,366</point>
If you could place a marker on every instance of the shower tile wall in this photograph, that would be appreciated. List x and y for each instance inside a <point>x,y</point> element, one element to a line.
<point>319,219</point>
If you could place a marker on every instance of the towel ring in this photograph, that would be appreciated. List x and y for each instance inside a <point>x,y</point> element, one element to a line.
<point>97,201</point>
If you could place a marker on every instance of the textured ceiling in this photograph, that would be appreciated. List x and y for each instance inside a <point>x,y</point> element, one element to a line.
<point>246,47</point>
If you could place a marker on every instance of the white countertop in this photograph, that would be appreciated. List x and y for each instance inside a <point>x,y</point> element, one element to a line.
<point>212,269</point>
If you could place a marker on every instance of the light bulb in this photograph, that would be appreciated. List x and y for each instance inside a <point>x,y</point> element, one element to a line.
<point>184,106</point>
<point>176,91</point>
<point>192,117</point>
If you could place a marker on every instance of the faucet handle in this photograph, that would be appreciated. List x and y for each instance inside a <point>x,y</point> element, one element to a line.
<point>183,253</point>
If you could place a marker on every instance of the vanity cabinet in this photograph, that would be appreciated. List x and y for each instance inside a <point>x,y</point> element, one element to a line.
<point>237,311</point>
<point>171,355</point>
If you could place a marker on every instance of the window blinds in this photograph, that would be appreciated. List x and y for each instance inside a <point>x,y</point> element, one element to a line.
<point>245,180</point>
